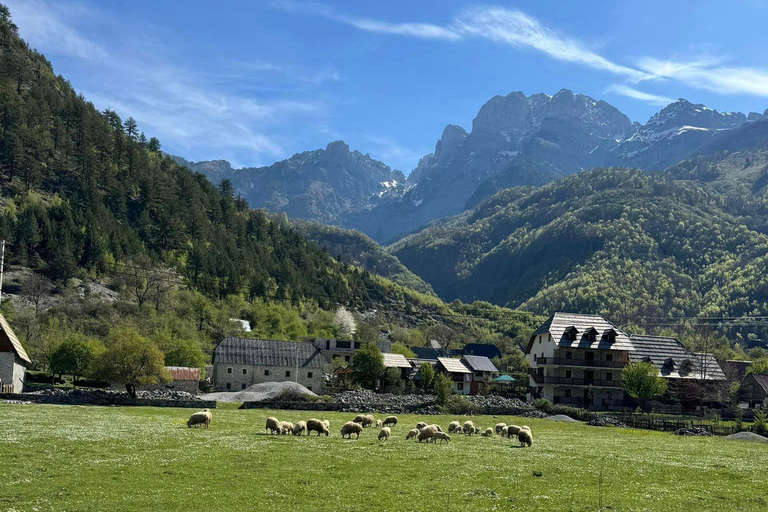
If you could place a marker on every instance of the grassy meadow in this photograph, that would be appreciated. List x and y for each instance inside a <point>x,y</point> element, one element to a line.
<point>109,458</point>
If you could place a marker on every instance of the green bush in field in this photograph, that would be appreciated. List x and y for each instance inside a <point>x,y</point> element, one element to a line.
<point>459,405</point>
<point>543,405</point>
<point>760,422</point>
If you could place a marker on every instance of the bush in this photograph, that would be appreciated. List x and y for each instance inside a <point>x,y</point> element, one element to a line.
<point>574,412</point>
<point>760,424</point>
<point>456,404</point>
<point>442,386</point>
<point>543,405</point>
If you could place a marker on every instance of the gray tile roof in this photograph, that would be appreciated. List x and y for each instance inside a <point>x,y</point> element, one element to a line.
<point>671,358</point>
<point>453,365</point>
<point>480,363</point>
<point>392,360</point>
<point>416,364</point>
<point>558,323</point>
<point>761,380</point>
<point>267,353</point>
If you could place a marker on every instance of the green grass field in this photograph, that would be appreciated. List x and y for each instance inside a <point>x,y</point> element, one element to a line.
<point>108,458</point>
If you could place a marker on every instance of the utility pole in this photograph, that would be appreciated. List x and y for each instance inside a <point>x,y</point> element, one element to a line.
<point>296,350</point>
<point>2,268</point>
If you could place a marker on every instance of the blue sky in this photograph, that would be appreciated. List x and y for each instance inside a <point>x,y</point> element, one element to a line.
<point>256,81</point>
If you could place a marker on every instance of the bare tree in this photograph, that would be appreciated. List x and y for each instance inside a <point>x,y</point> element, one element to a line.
<point>36,288</point>
<point>144,281</point>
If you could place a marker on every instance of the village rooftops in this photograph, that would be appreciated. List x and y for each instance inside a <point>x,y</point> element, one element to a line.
<point>392,360</point>
<point>673,360</point>
<point>453,365</point>
<point>761,380</point>
<point>480,364</point>
<point>591,332</point>
<point>259,352</point>
<point>183,372</point>
<point>15,343</point>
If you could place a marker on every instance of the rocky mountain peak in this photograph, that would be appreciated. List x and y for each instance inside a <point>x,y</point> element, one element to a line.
<point>337,149</point>
<point>453,137</point>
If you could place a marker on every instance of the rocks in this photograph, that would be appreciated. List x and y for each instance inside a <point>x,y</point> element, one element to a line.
<point>693,431</point>
<point>747,436</point>
<point>562,418</point>
<point>286,391</point>
<point>606,421</point>
<point>158,398</point>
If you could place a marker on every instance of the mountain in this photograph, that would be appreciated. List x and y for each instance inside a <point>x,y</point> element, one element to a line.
<point>325,185</point>
<point>622,242</point>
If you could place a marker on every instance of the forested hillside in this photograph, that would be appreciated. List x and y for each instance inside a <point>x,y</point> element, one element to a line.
<point>629,244</point>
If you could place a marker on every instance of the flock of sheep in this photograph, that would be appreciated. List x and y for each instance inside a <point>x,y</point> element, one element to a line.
<point>422,432</point>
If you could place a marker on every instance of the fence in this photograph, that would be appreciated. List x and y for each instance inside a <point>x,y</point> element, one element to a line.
<point>674,424</point>
<point>6,388</point>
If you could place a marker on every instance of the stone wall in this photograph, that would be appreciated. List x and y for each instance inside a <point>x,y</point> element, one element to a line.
<point>103,397</point>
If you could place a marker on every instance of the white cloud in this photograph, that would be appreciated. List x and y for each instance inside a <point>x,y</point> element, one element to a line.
<point>709,74</point>
<point>653,99</point>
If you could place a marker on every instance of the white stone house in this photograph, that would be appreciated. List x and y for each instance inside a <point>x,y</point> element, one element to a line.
<point>13,360</point>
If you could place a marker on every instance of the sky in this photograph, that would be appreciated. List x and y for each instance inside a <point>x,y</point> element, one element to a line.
<point>254,82</point>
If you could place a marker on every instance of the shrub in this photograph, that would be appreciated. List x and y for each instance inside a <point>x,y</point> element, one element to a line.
<point>574,412</point>
<point>759,424</point>
<point>442,386</point>
<point>456,404</point>
<point>543,405</point>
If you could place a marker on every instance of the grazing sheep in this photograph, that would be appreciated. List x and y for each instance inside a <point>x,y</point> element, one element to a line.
<point>512,430</point>
<point>286,427</point>
<point>437,427</point>
<point>500,426</point>
<point>477,430</point>
<point>412,433</point>
<point>273,425</point>
<point>384,433</point>
<point>360,418</point>
<point>318,426</point>
<point>327,423</point>
<point>200,418</point>
<point>367,420</point>
<point>525,437</point>
<point>420,425</point>
<point>442,436</point>
<point>378,423</point>
<point>525,427</point>
<point>488,432</point>
<point>454,425</point>
<point>427,433</point>
<point>350,428</point>
<point>503,432</point>
<point>469,428</point>
<point>299,427</point>
<point>390,420</point>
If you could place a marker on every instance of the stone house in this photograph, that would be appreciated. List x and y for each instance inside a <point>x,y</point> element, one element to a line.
<point>239,363</point>
<point>183,378</point>
<point>13,360</point>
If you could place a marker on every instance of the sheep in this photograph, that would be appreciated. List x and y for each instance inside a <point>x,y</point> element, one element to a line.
<point>442,436</point>
<point>390,420</point>
<point>299,427</point>
<point>285,427</point>
<point>318,426</point>
<point>420,425</point>
<point>469,428</point>
<point>384,433</point>
<point>437,427</point>
<point>500,426</point>
<point>503,432</point>
<point>412,433</point>
<point>326,424</point>
<point>525,437</point>
<point>360,418</point>
<point>477,430</point>
<point>512,430</point>
<point>454,425</point>
<point>200,418</point>
<point>427,433</point>
<point>273,425</point>
<point>350,428</point>
<point>378,423</point>
<point>488,432</point>
<point>367,420</point>
<point>525,427</point>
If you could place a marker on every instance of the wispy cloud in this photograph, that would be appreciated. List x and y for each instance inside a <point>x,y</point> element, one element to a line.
<point>630,92</point>
<point>393,153</point>
<point>710,74</point>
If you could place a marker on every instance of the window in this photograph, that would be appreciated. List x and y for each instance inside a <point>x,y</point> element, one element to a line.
<point>567,393</point>
<point>568,374</point>
<point>309,388</point>
<point>242,386</point>
<point>245,371</point>
<point>309,375</point>
<point>229,370</point>
<point>229,385</point>
<point>346,358</point>
<point>266,373</point>
<point>609,357</point>
<point>478,374</point>
<point>287,373</point>
<point>540,339</point>
<point>608,376</point>
<point>460,386</point>
<point>591,336</point>
<point>534,358</point>
<point>343,344</point>
<point>569,355</point>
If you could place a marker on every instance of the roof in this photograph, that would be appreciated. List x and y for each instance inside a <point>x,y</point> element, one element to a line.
<point>434,353</point>
<point>481,349</point>
<point>392,360</point>
<point>183,372</point>
<point>737,368</point>
<point>15,343</point>
<point>480,364</point>
<point>453,365</point>
<point>670,357</point>
<point>559,323</point>
<point>267,353</point>
<point>417,362</point>
<point>761,380</point>
<point>504,378</point>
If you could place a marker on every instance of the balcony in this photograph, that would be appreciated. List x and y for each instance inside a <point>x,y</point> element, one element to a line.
<point>571,381</point>
<point>560,361</point>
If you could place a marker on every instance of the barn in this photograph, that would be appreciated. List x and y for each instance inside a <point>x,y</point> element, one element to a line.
<point>13,360</point>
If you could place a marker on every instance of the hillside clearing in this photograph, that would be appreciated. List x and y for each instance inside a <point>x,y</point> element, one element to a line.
<point>107,458</point>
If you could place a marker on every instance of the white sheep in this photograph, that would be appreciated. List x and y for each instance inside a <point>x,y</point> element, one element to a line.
<point>503,432</point>
<point>200,418</point>
<point>369,420</point>
<point>378,423</point>
<point>390,420</point>
<point>525,437</point>
<point>442,436</point>
<point>437,427</point>
<point>286,427</point>
<point>469,428</point>
<point>273,425</point>
<point>512,430</point>
<point>350,428</point>
<point>488,432</point>
<point>360,418</point>
<point>314,425</point>
<point>477,430</point>
<point>427,433</point>
<point>453,426</point>
<point>326,424</point>
<point>500,426</point>
<point>412,433</point>
<point>420,425</point>
<point>300,427</point>
<point>384,433</point>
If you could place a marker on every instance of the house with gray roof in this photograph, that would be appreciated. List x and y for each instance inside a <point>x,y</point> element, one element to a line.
<point>577,360</point>
<point>673,359</point>
<point>239,363</point>
<point>13,360</point>
<point>754,390</point>
<point>457,372</point>
<point>483,371</point>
